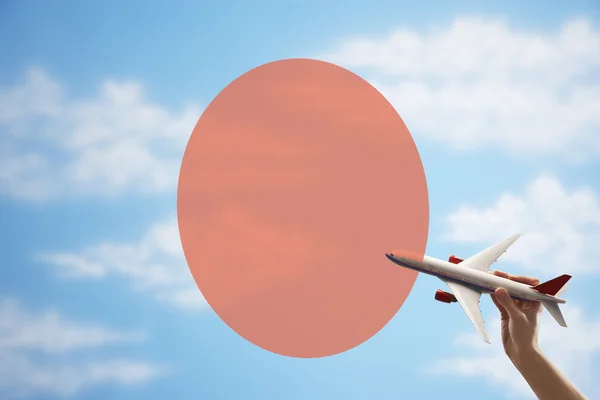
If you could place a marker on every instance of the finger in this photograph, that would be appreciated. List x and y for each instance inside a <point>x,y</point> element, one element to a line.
<point>501,274</point>
<point>538,308</point>
<point>525,279</point>
<point>533,312</point>
<point>503,313</point>
<point>535,307</point>
<point>530,306</point>
<point>507,302</point>
<point>519,304</point>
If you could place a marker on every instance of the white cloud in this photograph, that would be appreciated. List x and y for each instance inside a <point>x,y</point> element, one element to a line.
<point>30,346</point>
<point>480,82</point>
<point>573,350</point>
<point>154,263</point>
<point>49,332</point>
<point>39,96</point>
<point>115,142</point>
<point>561,228</point>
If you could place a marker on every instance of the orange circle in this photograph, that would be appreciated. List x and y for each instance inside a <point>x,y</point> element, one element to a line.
<point>297,178</point>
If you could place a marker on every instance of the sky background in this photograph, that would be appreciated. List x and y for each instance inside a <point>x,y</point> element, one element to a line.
<point>97,102</point>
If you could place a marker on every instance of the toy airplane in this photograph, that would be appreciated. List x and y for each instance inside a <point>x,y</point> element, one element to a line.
<point>468,279</point>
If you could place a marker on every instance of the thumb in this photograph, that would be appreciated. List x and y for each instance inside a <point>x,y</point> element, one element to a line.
<point>507,302</point>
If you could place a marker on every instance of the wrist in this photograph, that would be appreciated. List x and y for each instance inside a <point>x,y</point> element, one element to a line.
<point>525,356</point>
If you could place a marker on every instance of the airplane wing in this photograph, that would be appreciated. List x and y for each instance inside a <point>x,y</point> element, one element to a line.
<point>469,301</point>
<point>483,260</point>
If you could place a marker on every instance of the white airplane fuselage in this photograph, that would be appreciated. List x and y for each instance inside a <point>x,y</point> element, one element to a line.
<point>486,282</point>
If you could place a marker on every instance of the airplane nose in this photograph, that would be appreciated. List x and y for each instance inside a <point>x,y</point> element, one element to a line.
<point>404,254</point>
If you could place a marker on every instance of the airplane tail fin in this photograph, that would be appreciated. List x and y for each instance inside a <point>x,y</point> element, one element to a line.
<point>554,286</point>
<point>554,310</point>
<point>562,290</point>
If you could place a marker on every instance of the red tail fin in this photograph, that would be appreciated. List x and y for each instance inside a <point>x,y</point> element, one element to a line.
<point>552,286</point>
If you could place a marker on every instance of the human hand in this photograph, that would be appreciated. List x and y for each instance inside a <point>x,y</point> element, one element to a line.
<point>520,320</point>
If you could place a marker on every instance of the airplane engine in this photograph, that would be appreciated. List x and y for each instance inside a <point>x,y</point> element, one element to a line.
<point>455,260</point>
<point>445,297</point>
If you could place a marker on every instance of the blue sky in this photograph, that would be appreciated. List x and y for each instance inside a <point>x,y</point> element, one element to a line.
<point>519,120</point>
